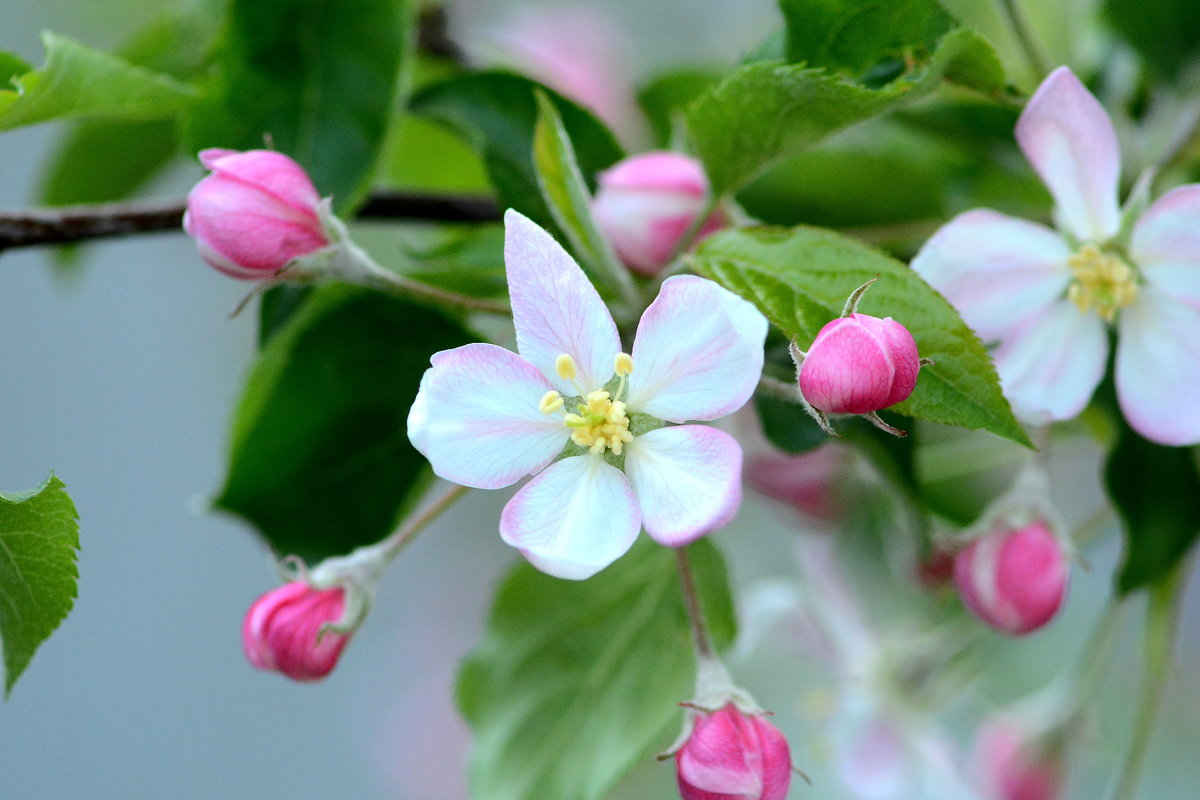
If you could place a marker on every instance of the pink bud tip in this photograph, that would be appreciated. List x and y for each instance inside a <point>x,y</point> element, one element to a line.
<point>731,755</point>
<point>646,203</point>
<point>1014,580</point>
<point>859,364</point>
<point>282,628</point>
<point>254,213</point>
<point>1013,765</point>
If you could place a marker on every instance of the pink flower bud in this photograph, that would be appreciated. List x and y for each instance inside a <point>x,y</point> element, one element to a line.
<point>1013,765</point>
<point>254,213</point>
<point>1014,580</point>
<point>645,203</point>
<point>811,483</point>
<point>859,364</point>
<point>731,755</point>
<point>283,626</point>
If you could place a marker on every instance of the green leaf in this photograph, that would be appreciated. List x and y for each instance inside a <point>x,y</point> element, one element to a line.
<point>319,78</point>
<point>575,681</point>
<point>1166,33</point>
<point>763,112</point>
<point>468,260</point>
<point>497,113</point>
<point>853,35</point>
<point>569,200</point>
<point>800,279</point>
<point>78,82</point>
<point>320,460</point>
<point>787,425</point>
<point>39,536</point>
<point>1156,491</point>
<point>666,98</point>
<point>110,159</point>
<point>11,65</point>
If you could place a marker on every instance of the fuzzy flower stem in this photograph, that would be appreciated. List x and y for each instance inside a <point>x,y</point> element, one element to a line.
<point>700,638</point>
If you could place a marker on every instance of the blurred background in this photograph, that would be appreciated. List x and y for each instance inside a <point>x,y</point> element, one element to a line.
<point>121,376</point>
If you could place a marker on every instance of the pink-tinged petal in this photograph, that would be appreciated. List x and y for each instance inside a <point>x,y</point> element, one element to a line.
<point>698,353</point>
<point>267,170</point>
<point>688,481</point>
<point>1050,367</point>
<point>1165,244</point>
<point>556,309</point>
<point>1070,141</point>
<point>574,519</point>
<point>998,271</point>
<point>1158,368</point>
<point>476,417</point>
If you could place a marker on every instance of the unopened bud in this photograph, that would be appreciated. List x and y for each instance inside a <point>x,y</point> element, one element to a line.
<point>859,364</point>
<point>646,203</point>
<point>257,211</point>
<point>1013,764</point>
<point>1014,580</point>
<point>283,631</point>
<point>735,755</point>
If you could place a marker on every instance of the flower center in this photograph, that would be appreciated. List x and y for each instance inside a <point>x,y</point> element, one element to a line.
<point>1102,282</point>
<point>600,421</point>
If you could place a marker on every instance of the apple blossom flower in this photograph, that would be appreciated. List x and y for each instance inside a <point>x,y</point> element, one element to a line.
<point>286,630</point>
<point>733,755</point>
<point>1048,296</point>
<point>1014,580</point>
<point>256,212</point>
<point>645,204</point>
<point>590,421</point>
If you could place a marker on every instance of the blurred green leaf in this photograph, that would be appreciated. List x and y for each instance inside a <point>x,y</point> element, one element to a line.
<point>1156,491</point>
<point>106,160</point>
<point>469,260</point>
<point>787,425</point>
<point>800,279</point>
<point>319,78</point>
<point>1166,32</point>
<point>39,538</point>
<point>78,82</point>
<point>666,98</point>
<point>320,460</point>
<point>576,681</point>
<point>497,113</point>
<point>11,65</point>
<point>763,112</point>
<point>854,35</point>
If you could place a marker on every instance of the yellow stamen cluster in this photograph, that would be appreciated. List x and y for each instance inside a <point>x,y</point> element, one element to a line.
<point>1102,282</point>
<point>601,423</point>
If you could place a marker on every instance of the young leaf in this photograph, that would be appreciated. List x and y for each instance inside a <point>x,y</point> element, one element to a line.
<point>574,682</point>
<point>1156,491</point>
<point>319,78</point>
<point>497,113</point>
<point>666,98</point>
<point>39,536</point>
<point>854,35</point>
<point>320,461</point>
<point>800,279</point>
<point>78,82</point>
<point>569,200</point>
<point>763,112</point>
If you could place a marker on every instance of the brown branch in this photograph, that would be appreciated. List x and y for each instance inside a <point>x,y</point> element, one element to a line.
<point>71,224</point>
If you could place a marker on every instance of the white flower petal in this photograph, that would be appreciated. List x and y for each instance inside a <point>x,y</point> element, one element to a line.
<point>556,309</point>
<point>698,353</point>
<point>476,417</point>
<point>998,271</point>
<point>574,519</point>
<point>688,481</point>
<point>1165,244</point>
<point>1158,368</point>
<point>1069,139</point>
<point>1051,366</point>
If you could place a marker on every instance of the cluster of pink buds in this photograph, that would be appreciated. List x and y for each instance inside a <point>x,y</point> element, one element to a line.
<point>857,364</point>
<point>290,630</point>
<point>645,204</point>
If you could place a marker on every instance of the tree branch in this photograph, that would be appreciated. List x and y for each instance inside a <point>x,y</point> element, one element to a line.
<point>71,224</point>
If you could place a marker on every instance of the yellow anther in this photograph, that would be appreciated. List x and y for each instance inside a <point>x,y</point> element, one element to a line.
<point>600,424</point>
<point>551,401</point>
<point>564,365</point>
<point>623,364</point>
<point>1102,281</point>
